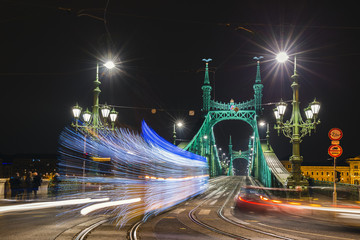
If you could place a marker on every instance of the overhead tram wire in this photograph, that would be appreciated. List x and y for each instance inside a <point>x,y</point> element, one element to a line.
<point>274,103</point>
<point>150,108</point>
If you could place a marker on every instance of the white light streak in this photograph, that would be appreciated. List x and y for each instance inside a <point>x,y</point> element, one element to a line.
<point>42,205</point>
<point>94,207</point>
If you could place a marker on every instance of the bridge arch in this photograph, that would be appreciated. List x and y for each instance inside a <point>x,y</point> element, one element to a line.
<point>204,142</point>
<point>248,116</point>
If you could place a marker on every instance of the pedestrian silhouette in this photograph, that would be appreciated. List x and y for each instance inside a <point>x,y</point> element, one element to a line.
<point>28,185</point>
<point>22,189</point>
<point>54,185</point>
<point>15,185</point>
<point>36,183</point>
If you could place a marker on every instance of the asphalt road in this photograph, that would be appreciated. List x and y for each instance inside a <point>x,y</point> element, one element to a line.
<point>212,215</point>
<point>38,224</point>
<point>246,223</point>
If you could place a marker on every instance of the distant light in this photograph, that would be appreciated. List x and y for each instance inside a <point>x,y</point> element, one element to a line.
<point>179,124</point>
<point>282,57</point>
<point>109,64</point>
<point>262,123</point>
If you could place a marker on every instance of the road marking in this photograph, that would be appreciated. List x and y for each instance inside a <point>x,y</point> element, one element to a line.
<point>204,212</point>
<point>254,221</point>
<point>213,202</point>
<point>179,210</point>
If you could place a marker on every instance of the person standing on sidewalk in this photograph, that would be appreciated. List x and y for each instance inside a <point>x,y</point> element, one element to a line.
<point>15,185</point>
<point>36,183</point>
<point>28,185</point>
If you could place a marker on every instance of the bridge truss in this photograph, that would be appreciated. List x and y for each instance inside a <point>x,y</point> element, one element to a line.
<point>247,155</point>
<point>204,142</point>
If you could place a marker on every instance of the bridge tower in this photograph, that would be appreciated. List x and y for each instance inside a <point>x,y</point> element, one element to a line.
<point>206,87</point>
<point>258,87</point>
<point>204,142</point>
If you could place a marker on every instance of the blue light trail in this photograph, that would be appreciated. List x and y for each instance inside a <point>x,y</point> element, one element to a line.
<point>140,174</point>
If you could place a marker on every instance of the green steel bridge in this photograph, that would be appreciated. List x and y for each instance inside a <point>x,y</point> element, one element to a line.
<point>262,161</point>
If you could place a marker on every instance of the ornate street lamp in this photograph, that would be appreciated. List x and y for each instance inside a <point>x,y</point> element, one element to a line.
<point>296,128</point>
<point>76,111</point>
<point>92,119</point>
<point>105,111</point>
<point>113,117</point>
<point>87,116</point>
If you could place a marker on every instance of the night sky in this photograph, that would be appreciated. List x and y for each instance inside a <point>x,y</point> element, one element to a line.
<point>49,51</point>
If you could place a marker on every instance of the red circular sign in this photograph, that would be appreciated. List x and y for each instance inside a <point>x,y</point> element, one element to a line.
<point>335,151</point>
<point>335,134</point>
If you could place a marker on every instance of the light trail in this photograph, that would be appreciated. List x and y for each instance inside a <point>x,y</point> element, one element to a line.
<point>98,206</point>
<point>142,166</point>
<point>42,205</point>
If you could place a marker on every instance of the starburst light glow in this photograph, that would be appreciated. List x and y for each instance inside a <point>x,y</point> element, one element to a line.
<point>282,57</point>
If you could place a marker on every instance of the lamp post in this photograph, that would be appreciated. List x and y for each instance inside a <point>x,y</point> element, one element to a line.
<point>263,124</point>
<point>92,119</point>
<point>178,124</point>
<point>296,128</point>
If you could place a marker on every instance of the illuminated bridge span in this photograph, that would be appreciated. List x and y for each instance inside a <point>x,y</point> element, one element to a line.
<point>263,163</point>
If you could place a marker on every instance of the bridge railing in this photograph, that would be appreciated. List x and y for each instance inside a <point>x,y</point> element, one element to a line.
<point>260,169</point>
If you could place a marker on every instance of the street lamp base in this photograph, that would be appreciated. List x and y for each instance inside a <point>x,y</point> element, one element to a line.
<point>293,183</point>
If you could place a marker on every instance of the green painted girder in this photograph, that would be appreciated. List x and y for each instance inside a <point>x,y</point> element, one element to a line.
<point>239,154</point>
<point>243,154</point>
<point>204,142</point>
<point>212,118</point>
<point>248,116</point>
<point>215,105</point>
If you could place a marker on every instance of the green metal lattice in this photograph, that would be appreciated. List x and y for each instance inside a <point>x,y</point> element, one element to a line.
<point>204,142</point>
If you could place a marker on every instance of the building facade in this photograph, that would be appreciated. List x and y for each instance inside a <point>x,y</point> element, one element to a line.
<point>354,164</point>
<point>348,174</point>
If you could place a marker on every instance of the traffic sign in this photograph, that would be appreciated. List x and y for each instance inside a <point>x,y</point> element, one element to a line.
<point>335,134</point>
<point>335,151</point>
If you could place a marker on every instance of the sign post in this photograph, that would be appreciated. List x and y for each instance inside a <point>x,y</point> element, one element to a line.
<point>335,134</point>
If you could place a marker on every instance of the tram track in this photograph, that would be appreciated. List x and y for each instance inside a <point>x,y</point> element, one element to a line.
<point>133,232</point>
<point>83,234</point>
<point>264,234</point>
<point>219,222</point>
<point>217,190</point>
<point>80,231</point>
